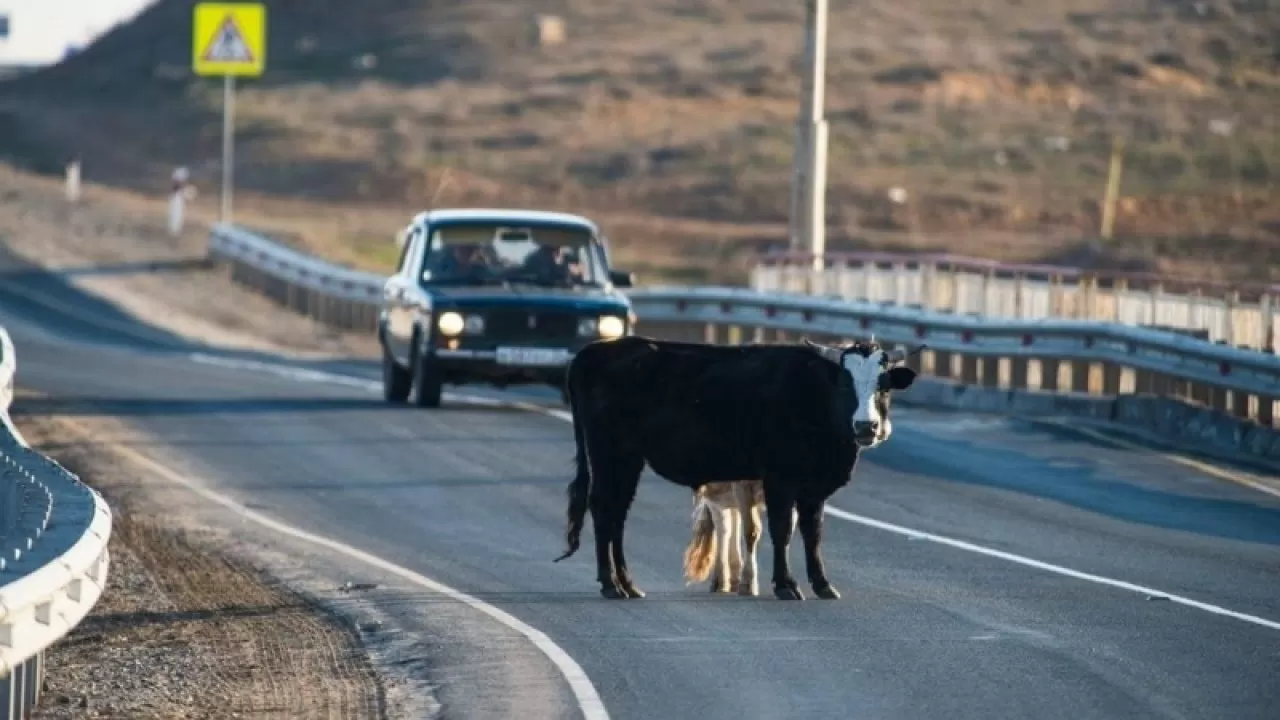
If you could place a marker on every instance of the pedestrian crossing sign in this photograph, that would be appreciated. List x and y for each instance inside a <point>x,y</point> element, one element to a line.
<point>229,39</point>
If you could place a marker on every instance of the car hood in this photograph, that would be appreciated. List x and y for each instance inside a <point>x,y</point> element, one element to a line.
<point>526,296</point>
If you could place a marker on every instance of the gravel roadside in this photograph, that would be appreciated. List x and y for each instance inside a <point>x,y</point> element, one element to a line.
<point>187,630</point>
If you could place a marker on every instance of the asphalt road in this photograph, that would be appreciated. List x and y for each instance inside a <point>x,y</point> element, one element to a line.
<point>475,498</point>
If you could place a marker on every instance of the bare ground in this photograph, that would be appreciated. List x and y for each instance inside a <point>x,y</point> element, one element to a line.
<point>185,630</point>
<point>113,244</point>
<point>673,121</point>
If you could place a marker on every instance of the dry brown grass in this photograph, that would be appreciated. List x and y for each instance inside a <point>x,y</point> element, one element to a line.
<point>672,121</point>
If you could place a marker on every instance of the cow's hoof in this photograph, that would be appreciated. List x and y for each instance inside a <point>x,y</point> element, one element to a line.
<point>632,591</point>
<point>826,592</point>
<point>718,588</point>
<point>613,593</point>
<point>748,589</point>
<point>788,593</point>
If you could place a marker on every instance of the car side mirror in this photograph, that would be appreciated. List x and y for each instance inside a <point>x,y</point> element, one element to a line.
<point>622,278</point>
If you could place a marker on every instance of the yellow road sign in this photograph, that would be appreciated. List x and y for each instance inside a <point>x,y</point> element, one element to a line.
<point>229,39</point>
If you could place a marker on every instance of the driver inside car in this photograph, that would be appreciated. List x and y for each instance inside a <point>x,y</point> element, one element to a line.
<point>463,260</point>
<point>553,263</point>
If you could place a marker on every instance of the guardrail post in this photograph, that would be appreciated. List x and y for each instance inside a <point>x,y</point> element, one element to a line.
<point>942,364</point>
<point>970,370</point>
<point>928,289</point>
<point>984,306</point>
<point>1112,378</point>
<point>1078,371</point>
<point>1229,332</point>
<point>1049,373</point>
<point>1267,310</point>
<point>989,370</point>
<point>1194,314</point>
<point>1119,289</point>
<point>1157,289</point>
<point>1019,373</point>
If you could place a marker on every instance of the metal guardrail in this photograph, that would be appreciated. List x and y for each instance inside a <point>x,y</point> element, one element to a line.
<point>54,532</point>
<point>1065,356</point>
<point>1236,314</point>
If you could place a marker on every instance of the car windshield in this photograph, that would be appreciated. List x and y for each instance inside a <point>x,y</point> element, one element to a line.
<point>496,254</point>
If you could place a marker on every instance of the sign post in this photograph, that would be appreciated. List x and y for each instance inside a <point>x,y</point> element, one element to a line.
<point>229,40</point>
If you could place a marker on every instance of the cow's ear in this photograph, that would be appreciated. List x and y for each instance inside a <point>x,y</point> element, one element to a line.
<point>900,378</point>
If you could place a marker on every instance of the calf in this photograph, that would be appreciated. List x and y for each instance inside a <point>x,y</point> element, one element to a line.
<point>794,416</point>
<point>726,516</point>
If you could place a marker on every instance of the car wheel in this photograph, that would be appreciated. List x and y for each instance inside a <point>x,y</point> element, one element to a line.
<point>396,380</point>
<point>427,384</point>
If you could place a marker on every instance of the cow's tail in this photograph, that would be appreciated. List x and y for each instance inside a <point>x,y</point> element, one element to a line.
<point>701,551</point>
<point>579,490</point>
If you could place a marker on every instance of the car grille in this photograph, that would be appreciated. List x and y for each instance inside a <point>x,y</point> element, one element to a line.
<point>513,326</point>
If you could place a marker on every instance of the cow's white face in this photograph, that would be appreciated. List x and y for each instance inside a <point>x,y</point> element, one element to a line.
<point>872,379</point>
<point>871,425</point>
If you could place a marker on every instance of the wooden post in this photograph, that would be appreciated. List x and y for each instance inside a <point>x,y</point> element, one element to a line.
<point>1113,187</point>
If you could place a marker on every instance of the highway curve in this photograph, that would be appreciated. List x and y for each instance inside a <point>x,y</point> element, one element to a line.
<point>475,498</point>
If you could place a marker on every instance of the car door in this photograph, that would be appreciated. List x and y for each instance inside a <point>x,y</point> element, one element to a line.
<point>401,298</point>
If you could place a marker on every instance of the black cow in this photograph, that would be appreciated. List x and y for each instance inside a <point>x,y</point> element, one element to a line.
<point>794,416</point>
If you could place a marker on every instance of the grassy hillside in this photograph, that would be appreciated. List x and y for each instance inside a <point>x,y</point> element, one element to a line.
<point>672,119</point>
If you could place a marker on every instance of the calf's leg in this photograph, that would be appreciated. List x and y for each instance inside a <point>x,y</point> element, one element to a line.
<point>779,505</point>
<point>734,537</point>
<point>810,515</point>
<point>722,515</point>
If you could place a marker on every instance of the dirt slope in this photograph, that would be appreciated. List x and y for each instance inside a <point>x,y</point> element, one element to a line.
<point>997,116</point>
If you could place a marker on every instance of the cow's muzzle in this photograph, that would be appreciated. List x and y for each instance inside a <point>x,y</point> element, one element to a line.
<point>866,432</point>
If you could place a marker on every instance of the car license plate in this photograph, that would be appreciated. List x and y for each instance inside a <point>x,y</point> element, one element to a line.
<point>532,356</point>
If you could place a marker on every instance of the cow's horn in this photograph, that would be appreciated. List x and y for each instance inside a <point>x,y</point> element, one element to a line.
<point>898,354</point>
<point>829,353</point>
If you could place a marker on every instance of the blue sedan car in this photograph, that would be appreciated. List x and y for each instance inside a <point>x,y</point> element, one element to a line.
<point>500,297</point>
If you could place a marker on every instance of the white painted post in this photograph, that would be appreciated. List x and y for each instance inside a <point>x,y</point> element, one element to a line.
<point>73,180</point>
<point>180,191</point>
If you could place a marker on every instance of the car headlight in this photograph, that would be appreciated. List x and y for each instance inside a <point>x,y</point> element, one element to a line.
<point>450,323</point>
<point>611,327</point>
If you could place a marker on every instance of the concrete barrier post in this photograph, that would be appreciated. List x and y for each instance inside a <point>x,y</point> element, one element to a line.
<point>73,180</point>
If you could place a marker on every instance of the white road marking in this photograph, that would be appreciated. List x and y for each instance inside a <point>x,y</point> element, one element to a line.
<point>584,691</point>
<point>909,533</point>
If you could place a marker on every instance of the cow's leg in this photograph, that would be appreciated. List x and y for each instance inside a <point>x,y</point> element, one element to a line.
<point>627,494</point>
<point>810,515</point>
<point>779,505</point>
<point>750,512</point>
<point>603,520</point>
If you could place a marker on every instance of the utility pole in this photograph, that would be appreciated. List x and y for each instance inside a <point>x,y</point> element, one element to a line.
<point>807,212</point>
<point>817,161</point>
<point>796,229</point>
